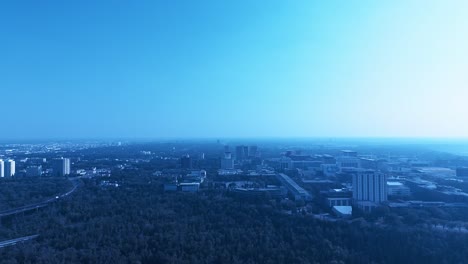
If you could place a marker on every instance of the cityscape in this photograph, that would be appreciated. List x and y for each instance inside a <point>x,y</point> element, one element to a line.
<point>364,184</point>
<point>234,132</point>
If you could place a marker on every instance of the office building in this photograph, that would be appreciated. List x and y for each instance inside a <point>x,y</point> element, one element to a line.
<point>242,153</point>
<point>170,187</point>
<point>368,163</point>
<point>348,161</point>
<point>328,159</point>
<point>253,151</point>
<point>227,162</point>
<point>2,168</point>
<point>186,162</point>
<point>61,167</point>
<point>398,189</point>
<point>337,197</point>
<point>348,153</point>
<point>296,191</point>
<point>10,168</point>
<point>285,163</point>
<point>369,189</point>
<point>189,187</point>
<point>196,176</point>
<point>329,169</point>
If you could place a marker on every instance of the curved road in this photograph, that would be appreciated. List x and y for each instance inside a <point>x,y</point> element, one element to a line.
<point>15,241</point>
<point>30,207</point>
<point>40,204</point>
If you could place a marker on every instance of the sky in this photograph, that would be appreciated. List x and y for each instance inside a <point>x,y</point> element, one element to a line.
<point>272,68</point>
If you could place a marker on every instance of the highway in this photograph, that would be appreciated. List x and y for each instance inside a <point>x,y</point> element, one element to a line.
<point>15,241</point>
<point>40,204</point>
<point>30,207</point>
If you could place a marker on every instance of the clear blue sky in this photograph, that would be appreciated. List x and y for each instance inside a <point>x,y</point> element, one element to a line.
<point>79,69</point>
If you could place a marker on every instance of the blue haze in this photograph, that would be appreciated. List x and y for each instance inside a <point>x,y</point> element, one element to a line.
<point>144,69</point>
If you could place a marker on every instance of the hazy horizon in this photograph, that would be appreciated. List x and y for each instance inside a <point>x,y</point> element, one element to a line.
<point>389,140</point>
<point>208,69</point>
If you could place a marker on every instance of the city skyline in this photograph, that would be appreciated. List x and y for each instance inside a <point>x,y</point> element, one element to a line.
<point>157,69</point>
<point>170,131</point>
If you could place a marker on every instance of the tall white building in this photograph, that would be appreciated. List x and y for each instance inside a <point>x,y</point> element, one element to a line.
<point>61,167</point>
<point>369,189</point>
<point>10,168</point>
<point>2,168</point>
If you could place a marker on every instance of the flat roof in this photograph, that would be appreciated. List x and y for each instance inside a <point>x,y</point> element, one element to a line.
<point>390,183</point>
<point>293,184</point>
<point>189,184</point>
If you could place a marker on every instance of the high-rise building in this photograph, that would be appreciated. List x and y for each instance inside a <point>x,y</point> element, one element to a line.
<point>239,152</point>
<point>10,168</point>
<point>242,153</point>
<point>369,189</point>
<point>61,167</point>
<point>186,162</point>
<point>253,151</point>
<point>2,168</point>
<point>227,163</point>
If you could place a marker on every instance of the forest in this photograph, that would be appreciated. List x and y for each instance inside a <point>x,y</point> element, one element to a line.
<point>16,192</point>
<point>139,223</point>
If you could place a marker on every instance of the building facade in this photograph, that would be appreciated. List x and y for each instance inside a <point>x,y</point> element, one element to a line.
<point>242,153</point>
<point>369,189</point>
<point>227,163</point>
<point>10,168</point>
<point>2,168</point>
<point>61,167</point>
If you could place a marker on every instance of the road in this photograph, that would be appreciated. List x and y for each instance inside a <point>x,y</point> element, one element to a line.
<point>40,204</point>
<point>15,241</point>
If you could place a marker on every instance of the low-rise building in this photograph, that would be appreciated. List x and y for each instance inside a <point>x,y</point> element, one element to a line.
<point>395,188</point>
<point>337,197</point>
<point>273,192</point>
<point>297,191</point>
<point>189,186</point>
<point>170,187</point>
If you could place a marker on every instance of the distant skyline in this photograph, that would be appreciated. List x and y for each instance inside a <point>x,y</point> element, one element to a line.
<point>209,69</point>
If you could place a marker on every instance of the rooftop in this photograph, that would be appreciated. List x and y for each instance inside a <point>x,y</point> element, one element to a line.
<point>345,210</point>
<point>389,183</point>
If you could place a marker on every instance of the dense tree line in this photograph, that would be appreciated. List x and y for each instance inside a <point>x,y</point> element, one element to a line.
<point>138,223</point>
<point>20,191</point>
